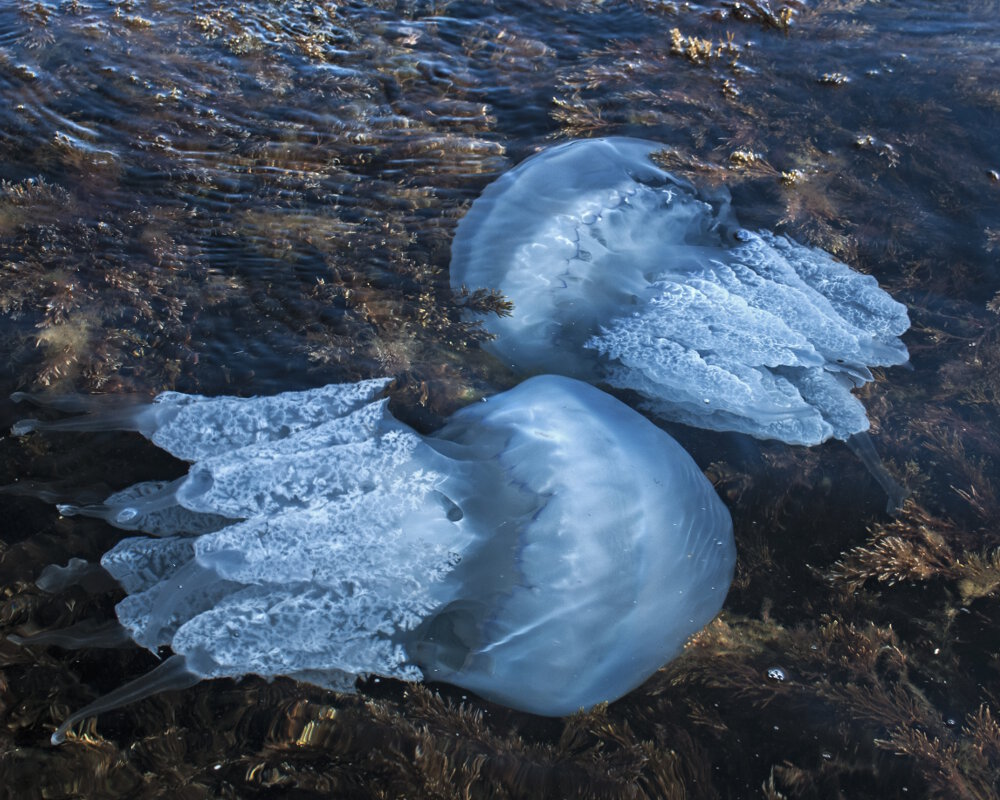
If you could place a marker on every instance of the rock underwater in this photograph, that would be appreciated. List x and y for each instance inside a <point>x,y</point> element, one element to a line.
<point>548,548</point>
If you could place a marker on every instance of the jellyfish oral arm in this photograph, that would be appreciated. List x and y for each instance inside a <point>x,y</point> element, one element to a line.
<point>862,446</point>
<point>172,674</point>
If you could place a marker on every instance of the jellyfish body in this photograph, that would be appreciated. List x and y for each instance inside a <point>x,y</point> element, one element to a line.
<point>621,273</point>
<point>548,548</point>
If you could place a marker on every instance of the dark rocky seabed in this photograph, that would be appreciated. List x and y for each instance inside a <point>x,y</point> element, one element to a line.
<point>246,197</point>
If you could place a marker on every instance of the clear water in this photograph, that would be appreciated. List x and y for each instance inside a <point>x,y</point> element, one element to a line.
<point>250,197</point>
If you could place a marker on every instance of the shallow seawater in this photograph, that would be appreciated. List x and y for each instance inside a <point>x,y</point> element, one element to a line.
<point>243,198</point>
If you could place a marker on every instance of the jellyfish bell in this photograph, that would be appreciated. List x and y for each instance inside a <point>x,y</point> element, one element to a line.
<point>619,551</point>
<point>621,273</point>
<point>547,549</point>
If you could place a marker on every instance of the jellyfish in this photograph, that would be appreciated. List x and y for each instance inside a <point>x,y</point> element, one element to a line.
<point>548,548</point>
<point>621,273</point>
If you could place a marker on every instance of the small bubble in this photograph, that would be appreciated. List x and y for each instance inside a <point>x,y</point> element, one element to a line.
<point>776,674</point>
<point>127,514</point>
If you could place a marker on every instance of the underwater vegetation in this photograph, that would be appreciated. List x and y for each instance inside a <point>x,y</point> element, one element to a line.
<point>247,198</point>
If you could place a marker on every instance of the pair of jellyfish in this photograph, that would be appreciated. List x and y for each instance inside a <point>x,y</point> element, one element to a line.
<point>548,548</point>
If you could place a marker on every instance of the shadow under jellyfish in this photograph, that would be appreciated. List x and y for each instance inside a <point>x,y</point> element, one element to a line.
<point>548,548</point>
<point>621,273</point>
